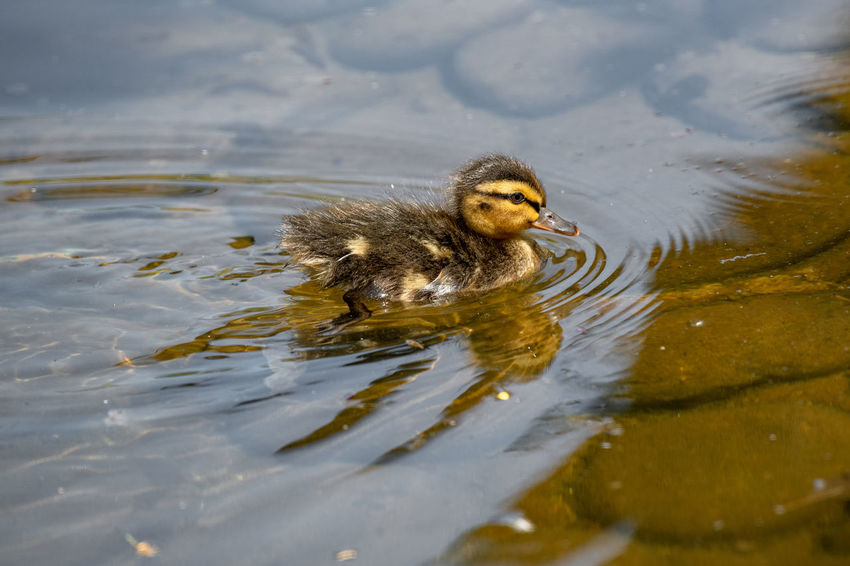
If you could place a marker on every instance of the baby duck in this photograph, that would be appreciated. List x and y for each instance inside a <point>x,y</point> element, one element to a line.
<point>414,251</point>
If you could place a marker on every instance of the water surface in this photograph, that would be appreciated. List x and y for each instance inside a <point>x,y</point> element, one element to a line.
<point>670,387</point>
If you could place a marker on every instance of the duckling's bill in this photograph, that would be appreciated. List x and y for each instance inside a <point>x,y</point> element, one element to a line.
<point>551,222</point>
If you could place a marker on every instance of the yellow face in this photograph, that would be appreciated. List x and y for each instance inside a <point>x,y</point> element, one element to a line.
<point>500,209</point>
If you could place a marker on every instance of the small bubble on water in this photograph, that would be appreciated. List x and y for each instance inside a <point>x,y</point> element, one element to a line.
<point>819,484</point>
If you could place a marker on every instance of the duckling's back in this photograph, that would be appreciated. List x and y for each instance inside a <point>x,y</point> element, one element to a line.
<point>403,251</point>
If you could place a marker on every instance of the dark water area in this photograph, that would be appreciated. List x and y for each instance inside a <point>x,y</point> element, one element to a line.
<point>670,388</point>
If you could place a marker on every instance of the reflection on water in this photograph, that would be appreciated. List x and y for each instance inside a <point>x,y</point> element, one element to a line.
<point>509,338</point>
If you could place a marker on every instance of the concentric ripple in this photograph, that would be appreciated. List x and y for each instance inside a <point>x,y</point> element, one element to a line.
<point>176,232</point>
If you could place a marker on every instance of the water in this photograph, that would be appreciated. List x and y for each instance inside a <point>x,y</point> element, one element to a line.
<point>671,385</point>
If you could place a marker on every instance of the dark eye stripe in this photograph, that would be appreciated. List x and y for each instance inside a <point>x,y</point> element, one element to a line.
<point>507,196</point>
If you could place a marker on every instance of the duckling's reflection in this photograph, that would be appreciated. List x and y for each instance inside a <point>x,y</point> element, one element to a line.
<point>512,336</point>
<point>510,339</point>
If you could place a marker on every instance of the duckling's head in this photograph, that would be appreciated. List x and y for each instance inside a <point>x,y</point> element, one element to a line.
<point>498,196</point>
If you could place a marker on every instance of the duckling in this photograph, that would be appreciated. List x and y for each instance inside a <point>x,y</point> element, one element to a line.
<point>416,251</point>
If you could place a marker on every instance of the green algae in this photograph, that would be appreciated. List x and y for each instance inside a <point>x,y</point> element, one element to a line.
<point>714,472</point>
<point>713,350</point>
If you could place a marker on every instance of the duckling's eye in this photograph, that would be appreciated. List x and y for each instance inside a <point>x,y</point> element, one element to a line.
<point>517,198</point>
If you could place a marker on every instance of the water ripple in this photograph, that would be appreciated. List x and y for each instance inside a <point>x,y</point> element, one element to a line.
<point>186,260</point>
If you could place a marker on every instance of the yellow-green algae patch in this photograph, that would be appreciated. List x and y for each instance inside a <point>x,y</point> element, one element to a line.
<point>709,473</point>
<point>692,352</point>
<point>749,481</point>
<point>752,481</point>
